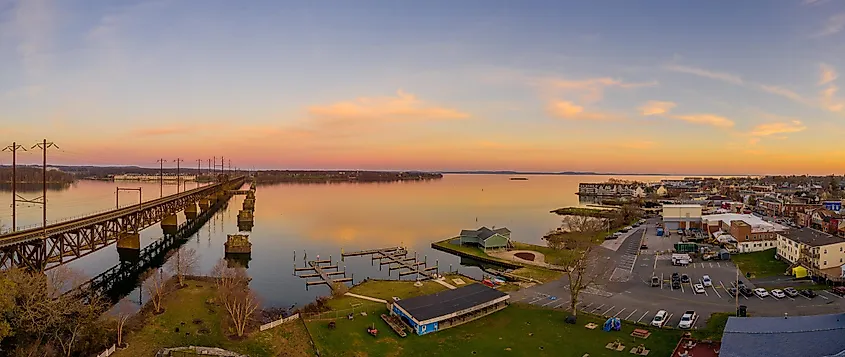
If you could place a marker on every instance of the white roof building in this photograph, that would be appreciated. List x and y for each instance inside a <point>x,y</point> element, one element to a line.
<point>757,224</point>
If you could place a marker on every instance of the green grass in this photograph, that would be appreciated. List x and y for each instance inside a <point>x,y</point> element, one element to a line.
<point>383,289</point>
<point>760,264</point>
<point>469,249</point>
<point>544,275</point>
<point>536,272</point>
<point>518,330</point>
<point>552,256</point>
<point>189,303</point>
<point>714,328</point>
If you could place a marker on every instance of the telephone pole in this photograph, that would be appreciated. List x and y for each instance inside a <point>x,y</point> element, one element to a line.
<point>161,177</point>
<point>14,149</point>
<point>199,172</point>
<point>230,166</point>
<point>214,170</point>
<point>178,161</point>
<point>44,145</point>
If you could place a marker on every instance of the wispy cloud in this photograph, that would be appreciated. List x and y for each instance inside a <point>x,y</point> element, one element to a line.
<point>591,90</point>
<point>656,107</point>
<point>813,2</point>
<point>721,76</point>
<point>829,100</point>
<point>571,111</point>
<point>834,24</point>
<point>706,119</point>
<point>402,107</point>
<point>768,129</point>
<point>784,92</point>
<point>828,74</point>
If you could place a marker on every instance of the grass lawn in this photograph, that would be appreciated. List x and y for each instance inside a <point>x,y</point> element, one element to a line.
<point>518,330</point>
<point>544,275</point>
<point>384,289</point>
<point>715,327</point>
<point>186,305</point>
<point>760,264</point>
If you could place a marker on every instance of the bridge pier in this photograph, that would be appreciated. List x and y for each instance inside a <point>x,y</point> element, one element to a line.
<point>170,224</point>
<point>204,204</point>
<point>245,216</point>
<point>249,204</point>
<point>191,211</point>
<point>127,240</point>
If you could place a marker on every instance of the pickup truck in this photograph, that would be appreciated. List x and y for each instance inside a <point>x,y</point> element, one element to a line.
<point>687,320</point>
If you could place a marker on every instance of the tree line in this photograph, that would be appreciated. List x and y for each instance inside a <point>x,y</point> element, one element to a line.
<point>34,175</point>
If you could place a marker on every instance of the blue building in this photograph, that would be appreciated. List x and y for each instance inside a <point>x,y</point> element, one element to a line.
<point>816,335</point>
<point>835,206</point>
<point>435,312</point>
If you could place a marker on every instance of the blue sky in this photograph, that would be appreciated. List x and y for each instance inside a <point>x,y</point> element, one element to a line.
<point>642,86</point>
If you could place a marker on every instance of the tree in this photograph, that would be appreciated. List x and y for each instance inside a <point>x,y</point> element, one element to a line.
<point>124,311</point>
<point>154,283</point>
<point>580,235</point>
<point>234,293</point>
<point>183,263</point>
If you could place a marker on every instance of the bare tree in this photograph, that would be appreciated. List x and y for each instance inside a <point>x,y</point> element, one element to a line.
<point>580,235</point>
<point>234,293</point>
<point>154,283</point>
<point>183,263</point>
<point>124,311</point>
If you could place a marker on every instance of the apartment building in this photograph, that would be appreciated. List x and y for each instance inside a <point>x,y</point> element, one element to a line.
<point>821,253</point>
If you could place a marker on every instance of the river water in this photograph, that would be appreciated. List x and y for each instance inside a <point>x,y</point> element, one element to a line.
<point>295,220</point>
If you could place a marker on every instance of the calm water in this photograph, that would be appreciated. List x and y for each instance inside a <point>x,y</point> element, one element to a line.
<point>292,220</point>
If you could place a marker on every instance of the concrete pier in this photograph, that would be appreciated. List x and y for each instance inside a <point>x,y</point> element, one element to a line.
<point>170,224</point>
<point>128,240</point>
<point>191,211</point>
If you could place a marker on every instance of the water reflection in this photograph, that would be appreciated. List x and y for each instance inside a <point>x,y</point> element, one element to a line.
<point>35,187</point>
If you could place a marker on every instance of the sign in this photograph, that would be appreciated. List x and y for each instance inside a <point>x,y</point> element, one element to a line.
<point>835,206</point>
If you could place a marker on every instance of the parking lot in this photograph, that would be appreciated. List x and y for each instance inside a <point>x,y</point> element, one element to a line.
<point>629,295</point>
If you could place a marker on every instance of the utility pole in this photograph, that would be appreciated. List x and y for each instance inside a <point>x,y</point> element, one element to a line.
<point>178,161</point>
<point>214,170</point>
<point>230,166</point>
<point>44,145</point>
<point>161,177</point>
<point>14,149</point>
<point>199,172</point>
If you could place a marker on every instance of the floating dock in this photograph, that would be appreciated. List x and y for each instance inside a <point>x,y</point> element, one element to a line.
<point>317,269</point>
<point>395,259</point>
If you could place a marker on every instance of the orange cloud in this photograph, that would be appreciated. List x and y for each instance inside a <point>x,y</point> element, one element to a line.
<point>778,128</point>
<point>592,90</point>
<point>784,93</point>
<point>656,107</point>
<point>707,119</point>
<point>403,107</point>
<point>568,110</point>
<point>829,100</point>
<point>828,74</point>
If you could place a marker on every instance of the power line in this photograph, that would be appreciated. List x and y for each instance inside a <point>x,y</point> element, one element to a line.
<point>14,149</point>
<point>161,177</point>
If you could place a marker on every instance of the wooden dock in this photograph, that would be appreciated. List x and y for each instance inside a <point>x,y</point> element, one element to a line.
<point>395,259</point>
<point>320,271</point>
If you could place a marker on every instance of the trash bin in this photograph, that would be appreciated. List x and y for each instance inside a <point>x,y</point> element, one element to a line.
<point>741,312</point>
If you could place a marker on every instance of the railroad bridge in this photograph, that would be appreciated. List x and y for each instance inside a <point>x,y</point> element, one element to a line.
<point>44,248</point>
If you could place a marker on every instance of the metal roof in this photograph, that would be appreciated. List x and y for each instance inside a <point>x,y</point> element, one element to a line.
<point>810,336</point>
<point>427,307</point>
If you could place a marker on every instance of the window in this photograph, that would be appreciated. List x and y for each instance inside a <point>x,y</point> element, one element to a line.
<point>825,251</point>
<point>825,263</point>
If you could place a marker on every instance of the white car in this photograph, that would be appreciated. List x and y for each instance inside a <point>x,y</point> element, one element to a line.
<point>698,288</point>
<point>687,320</point>
<point>760,292</point>
<point>706,280</point>
<point>778,293</point>
<point>659,319</point>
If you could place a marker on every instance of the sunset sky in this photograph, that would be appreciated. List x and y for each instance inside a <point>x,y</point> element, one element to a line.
<point>665,86</point>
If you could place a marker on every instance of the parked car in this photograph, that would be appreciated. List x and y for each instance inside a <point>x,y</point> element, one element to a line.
<point>808,293</point>
<point>760,292</point>
<point>732,291</point>
<point>745,291</point>
<point>676,284</point>
<point>698,288</point>
<point>675,276</point>
<point>790,292</point>
<point>687,320</point>
<point>655,281</point>
<point>684,278</point>
<point>659,319</point>
<point>838,290</point>
<point>737,285</point>
<point>778,293</point>
<point>706,280</point>
<point>611,237</point>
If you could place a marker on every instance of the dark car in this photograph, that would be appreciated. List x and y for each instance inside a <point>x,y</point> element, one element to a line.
<point>735,285</point>
<point>676,284</point>
<point>745,291</point>
<point>675,276</point>
<point>808,293</point>
<point>790,292</point>
<point>684,278</point>
<point>732,291</point>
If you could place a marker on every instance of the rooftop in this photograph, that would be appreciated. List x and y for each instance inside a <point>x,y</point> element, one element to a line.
<point>683,205</point>
<point>450,301</point>
<point>757,224</point>
<point>811,237</point>
<point>815,335</point>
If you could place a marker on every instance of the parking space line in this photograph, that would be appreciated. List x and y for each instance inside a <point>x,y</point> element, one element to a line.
<point>535,300</point>
<point>619,312</point>
<point>608,310</point>
<point>710,264</point>
<point>668,319</point>
<point>822,296</point>
<point>549,303</point>
<point>702,285</point>
<point>597,308</point>
<point>682,288</point>
<point>832,294</point>
<point>641,317</point>
<point>758,296</point>
<point>631,314</point>
<point>588,305</point>
<point>718,264</point>
<point>805,297</point>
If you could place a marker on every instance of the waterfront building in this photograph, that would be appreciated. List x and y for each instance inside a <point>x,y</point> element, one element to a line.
<point>486,238</point>
<point>682,216</point>
<point>435,312</point>
<point>610,189</point>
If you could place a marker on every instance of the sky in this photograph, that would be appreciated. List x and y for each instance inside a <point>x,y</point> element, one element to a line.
<point>640,86</point>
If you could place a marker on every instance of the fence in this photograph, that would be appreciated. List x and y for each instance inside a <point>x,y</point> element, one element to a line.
<point>270,325</point>
<point>368,307</point>
<point>108,351</point>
